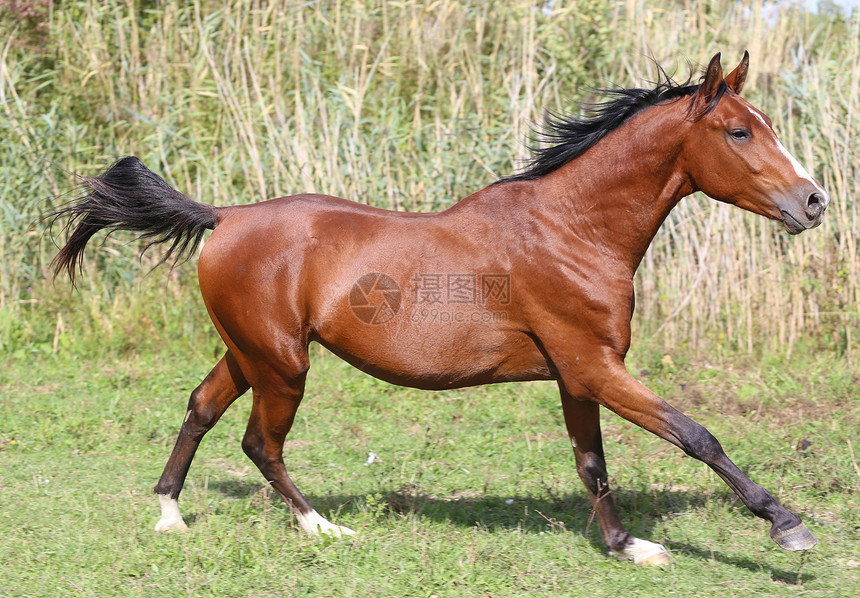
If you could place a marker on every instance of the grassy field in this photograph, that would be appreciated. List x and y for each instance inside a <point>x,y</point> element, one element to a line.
<point>413,105</point>
<point>473,492</point>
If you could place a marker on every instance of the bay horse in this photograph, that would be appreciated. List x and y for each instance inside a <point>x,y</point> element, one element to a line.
<point>530,278</point>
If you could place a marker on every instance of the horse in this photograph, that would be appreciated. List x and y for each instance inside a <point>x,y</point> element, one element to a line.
<point>529,278</point>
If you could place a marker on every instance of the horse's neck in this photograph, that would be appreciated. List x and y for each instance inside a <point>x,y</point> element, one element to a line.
<point>618,193</point>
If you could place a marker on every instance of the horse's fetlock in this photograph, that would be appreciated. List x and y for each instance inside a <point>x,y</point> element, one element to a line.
<point>618,540</point>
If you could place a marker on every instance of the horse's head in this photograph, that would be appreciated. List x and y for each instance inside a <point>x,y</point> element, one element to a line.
<point>733,155</point>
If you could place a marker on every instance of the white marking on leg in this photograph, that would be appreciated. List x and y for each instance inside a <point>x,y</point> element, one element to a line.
<point>171,518</point>
<point>643,552</point>
<point>315,524</point>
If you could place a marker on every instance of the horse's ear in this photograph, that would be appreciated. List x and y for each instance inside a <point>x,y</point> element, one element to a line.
<point>710,85</point>
<point>735,80</point>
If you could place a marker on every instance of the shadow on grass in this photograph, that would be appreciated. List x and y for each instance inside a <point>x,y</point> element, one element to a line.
<point>570,513</point>
<point>781,575</point>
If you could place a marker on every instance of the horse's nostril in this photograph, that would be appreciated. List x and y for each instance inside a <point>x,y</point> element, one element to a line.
<point>814,205</point>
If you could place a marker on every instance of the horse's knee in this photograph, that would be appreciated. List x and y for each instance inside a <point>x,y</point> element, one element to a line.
<point>701,444</point>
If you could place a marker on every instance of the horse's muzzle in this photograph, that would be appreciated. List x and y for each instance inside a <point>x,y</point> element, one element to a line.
<point>806,215</point>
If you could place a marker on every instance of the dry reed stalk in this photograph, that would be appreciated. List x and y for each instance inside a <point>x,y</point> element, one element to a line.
<point>412,106</point>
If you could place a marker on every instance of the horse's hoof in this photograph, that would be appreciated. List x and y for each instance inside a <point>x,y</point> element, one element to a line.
<point>796,538</point>
<point>644,553</point>
<point>171,518</point>
<point>171,525</point>
<point>315,524</point>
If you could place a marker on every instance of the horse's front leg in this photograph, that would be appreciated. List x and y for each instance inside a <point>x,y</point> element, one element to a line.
<point>582,418</point>
<point>614,387</point>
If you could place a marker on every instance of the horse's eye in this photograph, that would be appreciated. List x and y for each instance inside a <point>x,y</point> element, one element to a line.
<point>740,134</point>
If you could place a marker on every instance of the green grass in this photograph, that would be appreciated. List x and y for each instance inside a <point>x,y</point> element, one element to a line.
<point>413,105</point>
<point>82,442</point>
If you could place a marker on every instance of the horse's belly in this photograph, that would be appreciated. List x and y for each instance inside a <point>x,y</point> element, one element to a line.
<point>439,357</point>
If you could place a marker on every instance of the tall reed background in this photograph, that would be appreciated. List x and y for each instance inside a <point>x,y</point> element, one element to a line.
<point>410,106</point>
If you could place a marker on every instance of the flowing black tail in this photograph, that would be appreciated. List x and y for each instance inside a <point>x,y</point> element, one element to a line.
<point>129,196</point>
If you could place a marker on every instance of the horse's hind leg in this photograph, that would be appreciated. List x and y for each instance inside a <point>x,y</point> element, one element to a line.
<point>224,384</point>
<point>583,425</point>
<point>275,404</point>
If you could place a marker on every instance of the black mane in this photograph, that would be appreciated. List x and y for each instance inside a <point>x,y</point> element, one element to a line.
<point>564,137</point>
